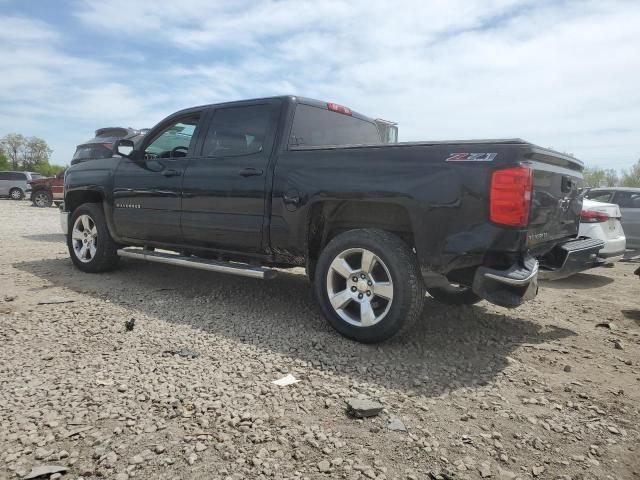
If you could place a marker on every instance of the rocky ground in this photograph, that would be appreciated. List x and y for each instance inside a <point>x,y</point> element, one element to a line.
<point>547,391</point>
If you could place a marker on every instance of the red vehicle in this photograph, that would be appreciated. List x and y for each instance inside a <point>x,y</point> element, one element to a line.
<point>46,191</point>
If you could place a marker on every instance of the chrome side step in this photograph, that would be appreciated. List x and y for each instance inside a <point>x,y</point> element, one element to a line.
<point>199,263</point>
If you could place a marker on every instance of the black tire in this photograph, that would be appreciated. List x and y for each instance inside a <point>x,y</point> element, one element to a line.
<point>454,295</point>
<point>106,256</point>
<point>42,198</point>
<point>16,194</point>
<point>404,274</point>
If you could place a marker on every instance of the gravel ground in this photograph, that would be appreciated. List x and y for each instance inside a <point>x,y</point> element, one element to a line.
<point>550,390</point>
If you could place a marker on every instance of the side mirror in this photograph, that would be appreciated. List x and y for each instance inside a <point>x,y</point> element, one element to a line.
<point>124,147</point>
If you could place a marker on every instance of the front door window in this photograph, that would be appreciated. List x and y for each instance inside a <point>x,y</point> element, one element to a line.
<point>174,141</point>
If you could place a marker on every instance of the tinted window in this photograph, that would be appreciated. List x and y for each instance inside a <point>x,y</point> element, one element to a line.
<point>92,151</point>
<point>237,131</point>
<point>4,175</point>
<point>627,199</point>
<point>599,196</point>
<point>314,126</point>
<point>174,140</point>
<point>17,176</point>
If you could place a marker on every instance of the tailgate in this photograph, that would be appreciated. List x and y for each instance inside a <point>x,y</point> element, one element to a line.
<point>556,202</point>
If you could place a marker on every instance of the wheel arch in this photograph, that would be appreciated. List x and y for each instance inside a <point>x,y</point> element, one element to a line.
<point>74,199</point>
<point>331,217</point>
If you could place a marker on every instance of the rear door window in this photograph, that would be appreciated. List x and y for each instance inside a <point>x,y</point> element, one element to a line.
<point>238,131</point>
<point>627,199</point>
<point>315,126</point>
<point>4,176</point>
<point>18,176</point>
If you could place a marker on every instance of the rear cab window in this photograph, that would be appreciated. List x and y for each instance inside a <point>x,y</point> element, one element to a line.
<point>317,127</point>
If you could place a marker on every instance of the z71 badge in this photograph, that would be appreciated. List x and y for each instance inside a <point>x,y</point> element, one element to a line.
<point>471,157</point>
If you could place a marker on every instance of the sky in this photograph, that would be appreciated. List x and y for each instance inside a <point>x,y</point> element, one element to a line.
<point>561,74</point>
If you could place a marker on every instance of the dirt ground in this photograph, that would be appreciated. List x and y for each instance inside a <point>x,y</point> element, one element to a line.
<point>550,390</point>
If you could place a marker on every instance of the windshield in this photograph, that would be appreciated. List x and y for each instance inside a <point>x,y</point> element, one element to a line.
<point>315,126</point>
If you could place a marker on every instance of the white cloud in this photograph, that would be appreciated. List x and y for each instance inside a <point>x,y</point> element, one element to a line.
<point>561,74</point>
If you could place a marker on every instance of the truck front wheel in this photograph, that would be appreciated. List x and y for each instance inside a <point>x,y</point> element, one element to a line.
<point>368,285</point>
<point>90,245</point>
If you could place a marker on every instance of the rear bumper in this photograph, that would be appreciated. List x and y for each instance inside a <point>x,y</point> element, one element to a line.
<point>508,288</point>
<point>570,258</point>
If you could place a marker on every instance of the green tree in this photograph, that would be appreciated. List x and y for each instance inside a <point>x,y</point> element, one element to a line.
<point>12,146</point>
<point>631,177</point>
<point>4,162</point>
<point>35,153</point>
<point>611,178</point>
<point>594,177</point>
<point>49,170</point>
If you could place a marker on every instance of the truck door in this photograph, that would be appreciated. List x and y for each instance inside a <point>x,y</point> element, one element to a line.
<point>148,187</point>
<point>224,188</point>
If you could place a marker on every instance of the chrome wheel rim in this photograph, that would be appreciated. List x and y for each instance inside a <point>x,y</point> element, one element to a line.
<point>41,199</point>
<point>359,287</point>
<point>84,238</point>
<point>16,194</point>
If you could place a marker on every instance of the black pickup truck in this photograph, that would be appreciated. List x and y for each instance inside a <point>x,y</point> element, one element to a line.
<point>249,186</point>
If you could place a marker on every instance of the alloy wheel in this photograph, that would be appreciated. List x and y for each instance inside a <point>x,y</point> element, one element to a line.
<point>359,287</point>
<point>41,199</point>
<point>84,238</point>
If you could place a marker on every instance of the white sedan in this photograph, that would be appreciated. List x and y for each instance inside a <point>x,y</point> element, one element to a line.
<point>602,221</point>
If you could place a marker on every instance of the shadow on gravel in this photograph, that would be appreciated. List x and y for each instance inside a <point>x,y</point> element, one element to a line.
<point>451,347</point>
<point>632,315</point>
<point>579,281</point>
<point>46,237</point>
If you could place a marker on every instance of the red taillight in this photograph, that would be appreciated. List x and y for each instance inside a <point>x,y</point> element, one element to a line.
<point>588,216</point>
<point>334,107</point>
<point>510,196</point>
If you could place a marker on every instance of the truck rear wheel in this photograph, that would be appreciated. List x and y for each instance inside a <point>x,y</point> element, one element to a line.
<point>368,285</point>
<point>454,295</point>
<point>90,245</point>
<point>42,199</point>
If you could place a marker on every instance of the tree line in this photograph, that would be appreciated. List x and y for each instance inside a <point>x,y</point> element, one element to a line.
<point>31,154</point>
<point>608,177</point>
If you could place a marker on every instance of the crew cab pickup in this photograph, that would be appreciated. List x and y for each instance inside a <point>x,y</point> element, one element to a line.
<point>246,187</point>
